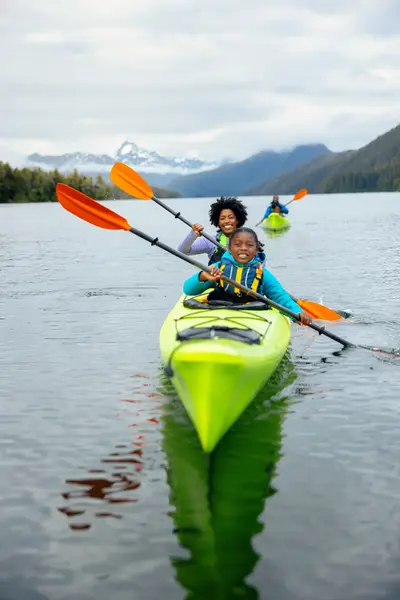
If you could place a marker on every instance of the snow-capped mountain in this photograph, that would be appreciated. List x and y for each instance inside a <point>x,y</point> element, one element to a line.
<point>130,153</point>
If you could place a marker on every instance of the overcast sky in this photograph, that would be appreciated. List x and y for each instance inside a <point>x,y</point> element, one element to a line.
<point>214,78</point>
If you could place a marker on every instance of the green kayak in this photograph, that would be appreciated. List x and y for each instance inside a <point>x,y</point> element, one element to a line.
<point>219,357</point>
<point>275,222</point>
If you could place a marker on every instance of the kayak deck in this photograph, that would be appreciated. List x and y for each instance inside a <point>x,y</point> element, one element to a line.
<point>275,222</point>
<point>219,357</point>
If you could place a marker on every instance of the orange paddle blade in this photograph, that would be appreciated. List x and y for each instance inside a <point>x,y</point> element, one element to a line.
<point>318,311</point>
<point>300,194</point>
<point>130,182</point>
<point>88,209</point>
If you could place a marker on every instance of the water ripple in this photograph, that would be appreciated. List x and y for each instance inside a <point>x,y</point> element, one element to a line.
<point>105,492</point>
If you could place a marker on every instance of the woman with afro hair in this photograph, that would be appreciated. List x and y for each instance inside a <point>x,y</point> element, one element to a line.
<point>227,215</point>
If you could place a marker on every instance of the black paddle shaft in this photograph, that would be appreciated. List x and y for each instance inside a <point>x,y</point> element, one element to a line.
<point>178,215</point>
<point>191,261</point>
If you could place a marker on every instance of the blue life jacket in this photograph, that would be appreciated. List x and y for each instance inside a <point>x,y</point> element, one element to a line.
<point>249,275</point>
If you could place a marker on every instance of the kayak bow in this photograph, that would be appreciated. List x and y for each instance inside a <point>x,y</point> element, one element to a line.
<point>219,358</point>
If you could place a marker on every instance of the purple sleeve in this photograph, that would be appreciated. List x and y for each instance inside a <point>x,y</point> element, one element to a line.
<point>192,244</point>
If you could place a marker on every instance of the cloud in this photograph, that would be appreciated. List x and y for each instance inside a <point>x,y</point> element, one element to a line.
<point>222,78</point>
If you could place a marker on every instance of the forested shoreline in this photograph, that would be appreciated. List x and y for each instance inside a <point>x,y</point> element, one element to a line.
<point>38,185</point>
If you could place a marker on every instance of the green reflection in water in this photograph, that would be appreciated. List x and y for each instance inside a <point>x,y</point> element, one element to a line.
<point>218,498</point>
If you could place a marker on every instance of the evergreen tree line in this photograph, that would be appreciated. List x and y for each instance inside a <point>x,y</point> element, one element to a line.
<point>37,185</point>
<point>373,168</point>
<point>385,179</point>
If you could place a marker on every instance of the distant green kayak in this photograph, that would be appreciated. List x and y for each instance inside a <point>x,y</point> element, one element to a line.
<point>219,358</point>
<point>275,222</point>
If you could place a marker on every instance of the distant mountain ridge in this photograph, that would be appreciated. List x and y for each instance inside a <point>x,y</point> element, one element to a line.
<point>187,176</point>
<point>161,169</point>
<point>146,160</point>
<point>237,178</point>
<point>374,167</point>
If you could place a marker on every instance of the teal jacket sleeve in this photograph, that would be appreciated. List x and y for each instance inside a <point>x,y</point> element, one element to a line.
<point>272,289</point>
<point>193,286</point>
<point>284,209</point>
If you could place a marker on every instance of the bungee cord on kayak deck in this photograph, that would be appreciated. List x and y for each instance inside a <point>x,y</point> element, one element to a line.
<point>195,314</point>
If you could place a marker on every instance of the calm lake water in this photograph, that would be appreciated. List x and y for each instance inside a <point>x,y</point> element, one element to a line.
<point>104,491</point>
